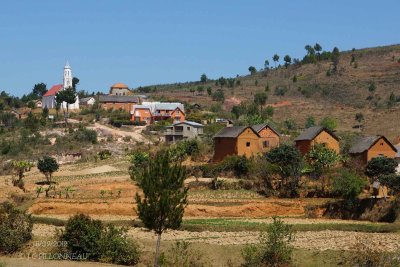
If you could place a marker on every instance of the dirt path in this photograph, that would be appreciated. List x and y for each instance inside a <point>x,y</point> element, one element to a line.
<point>136,134</point>
<point>312,240</point>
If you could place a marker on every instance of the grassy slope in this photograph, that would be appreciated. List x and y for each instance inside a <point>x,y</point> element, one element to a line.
<point>340,96</point>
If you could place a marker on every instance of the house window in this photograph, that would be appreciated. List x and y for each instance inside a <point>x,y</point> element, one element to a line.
<point>188,128</point>
<point>177,112</point>
<point>247,144</point>
<point>266,143</point>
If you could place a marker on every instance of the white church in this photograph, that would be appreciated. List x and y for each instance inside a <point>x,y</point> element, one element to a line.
<point>49,99</point>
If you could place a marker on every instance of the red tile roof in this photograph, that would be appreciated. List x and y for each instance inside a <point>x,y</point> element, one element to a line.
<point>54,90</point>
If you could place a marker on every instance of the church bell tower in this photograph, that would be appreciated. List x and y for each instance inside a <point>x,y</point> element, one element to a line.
<point>67,76</point>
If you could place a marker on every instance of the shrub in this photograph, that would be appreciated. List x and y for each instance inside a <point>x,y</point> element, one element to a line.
<point>182,255</point>
<point>82,235</point>
<point>104,154</point>
<point>274,248</point>
<point>240,165</point>
<point>85,135</point>
<point>15,228</point>
<point>115,248</point>
<point>348,185</point>
<point>380,166</point>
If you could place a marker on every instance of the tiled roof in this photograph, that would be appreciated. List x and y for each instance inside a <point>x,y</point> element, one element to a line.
<point>364,143</point>
<point>233,132</point>
<point>54,90</point>
<point>118,99</point>
<point>312,132</point>
<point>259,127</point>
<point>192,123</point>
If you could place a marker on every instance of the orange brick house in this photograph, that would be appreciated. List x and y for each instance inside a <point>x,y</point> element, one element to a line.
<point>369,147</point>
<point>116,102</point>
<point>269,137</point>
<point>157,111</point>
<point>316,135</point>
<point>236,140</point>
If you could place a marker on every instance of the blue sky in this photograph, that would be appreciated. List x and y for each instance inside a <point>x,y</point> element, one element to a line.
<point>151,42</point>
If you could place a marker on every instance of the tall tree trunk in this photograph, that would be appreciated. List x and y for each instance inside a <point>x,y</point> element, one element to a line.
<point>157,250</point>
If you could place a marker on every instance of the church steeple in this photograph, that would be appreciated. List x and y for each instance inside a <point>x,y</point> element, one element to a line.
<point>67,76</point>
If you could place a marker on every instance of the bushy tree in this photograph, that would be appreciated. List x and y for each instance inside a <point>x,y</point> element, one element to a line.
<point>252,70</point>
<point>260,99</point>
<point>19,168</point>
<point>288,60</point>
<point>275,58</point>
<point>335,58</point>
<point>289,163</point>
<point>274,249</point>
<point>209,90</point>
<point>266,64</point>
<point>218,96</point>
<point>47,165</point>
<point>164,196</point>
<point>68,96</point>
<point>203,78</point>
<point>15,228</point>
<point>348,185</point>
<point>310,122</point>
<point>39,89</point>
<point>329,123</point>
<point>380,166</point>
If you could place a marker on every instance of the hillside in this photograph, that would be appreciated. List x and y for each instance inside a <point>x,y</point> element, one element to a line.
<point>315,93</point>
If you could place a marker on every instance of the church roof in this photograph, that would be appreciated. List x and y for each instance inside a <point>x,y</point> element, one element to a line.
<point>54,90</point>
<point>120,85</point>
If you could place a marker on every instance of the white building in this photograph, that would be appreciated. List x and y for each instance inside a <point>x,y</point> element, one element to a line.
<point>49,99</point>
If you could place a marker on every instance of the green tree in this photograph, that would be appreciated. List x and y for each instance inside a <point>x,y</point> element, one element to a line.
<point>266,64</point>
<point>75,81</point>
<point>19,168</point>
<point>359,117</point>
<point>260,99</point>
<point>39,89</point>
<point>47,165</point>
<point>68,96</point>
<point>200,89</point>
<point>310,122</point>
<point>209,90</point>
<point>348,185</point>
<point>275,58</point>
<point>329,123</point>
<point>45,113</point>
<point>218,95</point>
<point>221,81</point>
<point>203,78</point>
<point>380,166</point>
<point>164,196</point>
<point>288,162</point>
<point>288,60</point>
<point>321,159</point>
<point>335,58</point>
<point>318,49</point>
<point>31,105</point>
<point>192,90</point>
<point>274,249</point>
<point>31,122</point>
<point>252,70</point>
<point>372,87</point>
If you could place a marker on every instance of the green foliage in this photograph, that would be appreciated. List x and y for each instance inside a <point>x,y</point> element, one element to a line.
<point>348,185</point>
<point>83,134</point>
<point>380,166</point>
<point>240,165</point>
<point>252,70</point>
<point>15,228</point>
<point>260,99</point>
<point>47,165</point>
<point>32,122</point>
<point>290,124</point>
<point>310,122</point>
<point>139,161</point>
<point>321,158</point>
<point>288,60</point>
<point>329,123</point>
<point>268,112</point>
<point>280,91</point>
<point>392,181</point>
<point>19,167</point>
<point>335,56</point>
<point>203,78</point>
<point>104,154</point>
<point>218,96</point>
<point>116,248</point>
<point>274,248</point>
<point>164,196</point>
<point>275,58</point>
<point>288,162</point>
<point>372,87</point>
<point>39,89</point>
<point>209,90</point>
